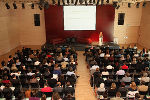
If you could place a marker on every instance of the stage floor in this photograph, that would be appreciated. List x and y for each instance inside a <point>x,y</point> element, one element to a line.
<point>81,47</point>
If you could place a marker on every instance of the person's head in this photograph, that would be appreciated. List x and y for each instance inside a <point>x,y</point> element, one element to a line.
<point>56,96</point>
<point>120,68</point>
<point>13,65</point>
<point>118,94</point>
<point>45,85</point>
<point>56,65</point>
<point>69,96</point>
<point>5,77</point>
<point>146,68</point>
<point>58,83</point>
<point>61,76</point>
<point>133,85</point>
<point>43,97</point>
<point>3,63</point>
<point>17,60</point>
<point>20,96</point>
<point>13,76</point>
<point>113,86</point>
<point>134,59</point>
<point>68,83</point>
<point>145,74</point>
<point>34,92</point>
<point>105,69</point>
<point>97,69</point>
<point>127,74</point>
<point>142,83</point>
<point>122,84</point>
<point>10,56</point>
<point>105,95</point>
<point>70,69</point>
<point>128,56</point>
<point>137,95</point>
<point>102,85</point>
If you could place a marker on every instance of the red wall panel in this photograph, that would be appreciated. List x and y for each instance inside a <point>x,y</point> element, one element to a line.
<point>55,25</point>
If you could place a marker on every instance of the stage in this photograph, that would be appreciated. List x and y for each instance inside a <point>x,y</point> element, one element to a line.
<point>81,47</point>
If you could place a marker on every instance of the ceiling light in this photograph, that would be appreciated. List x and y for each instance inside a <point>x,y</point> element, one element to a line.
<point>14,5</point>
<point>7,6</point>
<point>32,6</point>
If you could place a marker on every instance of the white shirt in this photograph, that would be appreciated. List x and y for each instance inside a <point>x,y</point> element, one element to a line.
<point>16,74</point>
<point>105,73</point>
<point>18,63</point>
<point>109,67</point>
<point>37,63</point>
<point>66,59</point>
<point>30,74</point>
<point>29,59</point>
<point>102,54</point>
<point>94,67</point>
<point>120,72</point>
<point>70,73</point>
<point>136,55</point>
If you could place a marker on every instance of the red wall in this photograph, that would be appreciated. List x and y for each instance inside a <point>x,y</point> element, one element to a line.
<point>55,25</point>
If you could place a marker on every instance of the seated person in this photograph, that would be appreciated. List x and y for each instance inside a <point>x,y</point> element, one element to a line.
<point>13,67</point>
<point>70,72</point>
<point>120,71</point>
<point>118,97</point>
<point>57,70</point>
<point>124,66</point>
<point>65,58</point>
<point>5,80</point>
<point>145,77</point>
<point>58,88</point>
<point>101,88</point>
<point>127,78</point>
<point>34,95</point>
<point>30,73</point>
<point>69,97</point>
<point>122,89</point>
<point>69,89</point>
<point>64,64</point>
<point>59,58</point>
<point>94,66</point>
<point>51,81</point>
<point>56,96</point>
<point>105,72</point>
<point>142,89</point>
<point>132,90</point>
<point>112,90</point>
<point>99,80</point>
<point>110,67</point>
<point>46,88</point>
<point>14,81</point>
<point>7,92</point>
<point>133,87</point>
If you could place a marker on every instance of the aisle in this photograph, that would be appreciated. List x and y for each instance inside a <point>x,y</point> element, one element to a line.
<point>83,89</point>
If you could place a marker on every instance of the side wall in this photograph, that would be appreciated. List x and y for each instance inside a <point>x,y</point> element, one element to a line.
<point>9,35</point>
<point>17,27</point>
<point>144,35</point>
<point>128,33</point>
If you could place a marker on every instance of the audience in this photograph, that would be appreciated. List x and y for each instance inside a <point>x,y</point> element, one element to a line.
<point>33,73</point>
<point>119,70</point>
<point>53,70</point>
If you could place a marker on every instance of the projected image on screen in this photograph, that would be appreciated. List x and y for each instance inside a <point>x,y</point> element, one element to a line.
<point>79,17</point>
